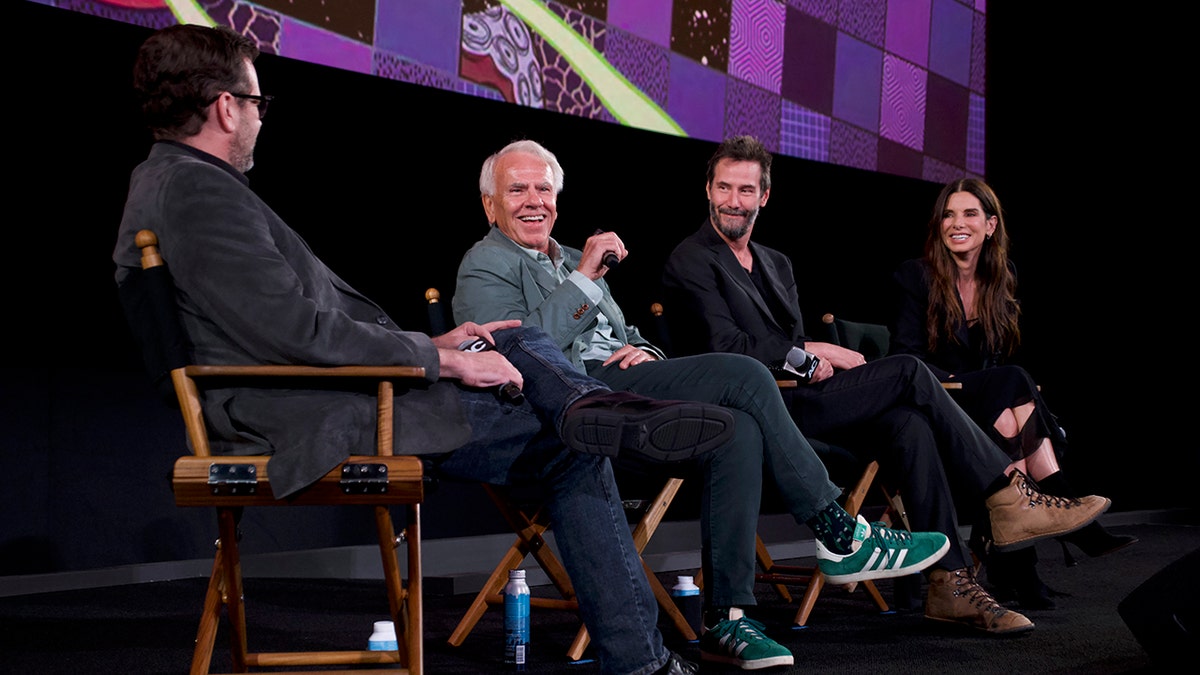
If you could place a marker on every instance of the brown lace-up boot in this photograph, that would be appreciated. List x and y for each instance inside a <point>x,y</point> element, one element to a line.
<point>956,597</point>
<point>1022,514</point>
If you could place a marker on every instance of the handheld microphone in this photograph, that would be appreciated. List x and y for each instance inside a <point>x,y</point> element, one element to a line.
<point>610,259</point>
<point>507,392</point>
<point>801,363</point>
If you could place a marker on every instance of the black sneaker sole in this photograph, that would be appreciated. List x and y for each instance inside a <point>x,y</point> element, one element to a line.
<point>671,434</point>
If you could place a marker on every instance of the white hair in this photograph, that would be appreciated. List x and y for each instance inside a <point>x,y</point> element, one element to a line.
<point>487,175</point>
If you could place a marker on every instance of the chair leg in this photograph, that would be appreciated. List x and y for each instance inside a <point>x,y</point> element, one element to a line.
<point>415,632</point>
<point>768,566</point>
<point>494,583</point>
<point>232,591</point>
<point>406,606</point>
<point>809,599</point>
<point>206,635</point>
<point>530,542</point>
<point>667,604</point>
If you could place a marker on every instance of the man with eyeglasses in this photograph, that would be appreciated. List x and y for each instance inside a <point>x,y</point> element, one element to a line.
<point>249,291</point>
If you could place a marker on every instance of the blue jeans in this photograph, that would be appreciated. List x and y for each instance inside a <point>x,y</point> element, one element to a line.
<point>520,446</point>
<point>765,441</point>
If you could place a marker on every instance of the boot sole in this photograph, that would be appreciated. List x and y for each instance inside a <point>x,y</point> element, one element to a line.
<point>1021,630</point>
<point>1019,544</point>
<point>677,433</point>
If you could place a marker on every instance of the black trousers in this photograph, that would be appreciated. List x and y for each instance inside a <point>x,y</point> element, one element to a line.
<point>895,410</point>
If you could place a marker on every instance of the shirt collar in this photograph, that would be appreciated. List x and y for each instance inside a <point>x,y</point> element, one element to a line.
<point>555,257</point>
<point>211,159</point>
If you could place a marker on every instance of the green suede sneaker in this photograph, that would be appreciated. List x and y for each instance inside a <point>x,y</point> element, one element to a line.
<point>880,553</point>
<point>740,642</point>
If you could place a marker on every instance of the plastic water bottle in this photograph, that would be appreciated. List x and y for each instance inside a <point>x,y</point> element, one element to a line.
<point>383,639</point>
<point>516,620</point>
<point>687,598</point>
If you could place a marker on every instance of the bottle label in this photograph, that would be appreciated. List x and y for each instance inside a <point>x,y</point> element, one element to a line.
<point>516,627</point>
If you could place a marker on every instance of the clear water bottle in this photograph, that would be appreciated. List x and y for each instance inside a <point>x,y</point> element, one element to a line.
<point>516,620</point>
<point>687,598</point>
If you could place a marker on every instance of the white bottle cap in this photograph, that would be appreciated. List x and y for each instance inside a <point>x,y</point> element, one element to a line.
<point>383,639</point>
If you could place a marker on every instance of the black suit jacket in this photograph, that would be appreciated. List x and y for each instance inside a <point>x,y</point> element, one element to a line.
<point>714,305</point>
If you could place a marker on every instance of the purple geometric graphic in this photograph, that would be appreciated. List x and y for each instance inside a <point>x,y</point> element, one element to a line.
<point>864,19</point>
<point>825,10</point>
<point>751,110</point>
<point>976,129</point>
<point>857,82</point>
<point>851,146</point>
<point>861,83</point>
<point>810,48</point>
<point>302,41</point>
<point>642,62</point>
<point>898,159</point>
<point>803,133</point>
<point>649,20</point>
<point>950,41</point>
<point>979,53</point>
<point>908,30</point>
<point>422,30</point>
<point>947,105</point>
<point>902,117</point>
<point>696,98</point>
<point>937,171</point>
<point>756,42</point>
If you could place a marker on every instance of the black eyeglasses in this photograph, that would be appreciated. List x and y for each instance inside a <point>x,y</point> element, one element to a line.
<point>259,100</point>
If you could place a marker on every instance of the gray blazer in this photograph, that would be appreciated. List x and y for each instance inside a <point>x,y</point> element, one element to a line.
<point>250,291</point>
<point>497,280</point>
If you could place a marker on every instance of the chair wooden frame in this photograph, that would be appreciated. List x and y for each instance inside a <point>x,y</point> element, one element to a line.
<point>530,542</point>
<point>809,577</point>
<point>231,483</point>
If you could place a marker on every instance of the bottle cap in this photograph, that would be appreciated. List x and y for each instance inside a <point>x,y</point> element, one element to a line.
<point>516,574</point>
<point>383,639</point>
<point>685,586</point>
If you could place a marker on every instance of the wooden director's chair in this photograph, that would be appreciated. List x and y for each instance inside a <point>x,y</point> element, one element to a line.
<point>845,469</point>
<point>530,524</point>
<point>231,483</point>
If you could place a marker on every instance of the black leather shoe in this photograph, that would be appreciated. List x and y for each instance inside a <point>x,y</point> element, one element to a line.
<point>677,665</point>
<point>660,431</point>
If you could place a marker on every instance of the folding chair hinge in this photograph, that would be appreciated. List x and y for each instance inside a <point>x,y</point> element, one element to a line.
<point>364,479</point>
<point>232,479</point>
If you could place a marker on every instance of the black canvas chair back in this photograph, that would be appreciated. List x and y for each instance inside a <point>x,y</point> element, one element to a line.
<point>229,484</point>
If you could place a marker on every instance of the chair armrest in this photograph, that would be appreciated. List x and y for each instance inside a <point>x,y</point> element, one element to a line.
<point>244,481</point>
<point>370,372</point>
<point>188,393</point>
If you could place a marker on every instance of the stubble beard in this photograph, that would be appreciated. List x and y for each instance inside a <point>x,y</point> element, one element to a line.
<point>241,156</point>
<point>733,232</point>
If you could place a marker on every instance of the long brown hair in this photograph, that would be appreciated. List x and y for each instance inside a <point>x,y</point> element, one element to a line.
<point>995,290</point>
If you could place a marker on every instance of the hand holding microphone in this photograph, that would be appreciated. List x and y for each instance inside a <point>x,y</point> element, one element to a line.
<point>802,363</point>
<point>507,392</point>
<point>610,259</point>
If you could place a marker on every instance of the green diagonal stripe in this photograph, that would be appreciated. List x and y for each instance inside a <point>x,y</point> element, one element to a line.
<point>628,104</point>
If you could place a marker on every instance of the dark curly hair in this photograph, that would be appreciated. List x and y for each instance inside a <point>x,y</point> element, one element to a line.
<point>182,69</point>
<point>742,149</point>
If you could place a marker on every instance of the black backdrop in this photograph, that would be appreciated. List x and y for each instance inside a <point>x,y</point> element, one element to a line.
<point>381,178</point>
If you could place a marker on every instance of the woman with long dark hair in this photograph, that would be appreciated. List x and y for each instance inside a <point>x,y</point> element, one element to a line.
<point>956,309</point>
